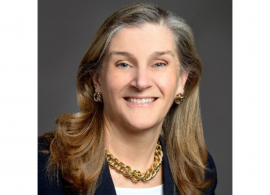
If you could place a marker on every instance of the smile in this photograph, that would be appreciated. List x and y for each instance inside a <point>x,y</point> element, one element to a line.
<point>141,100</point>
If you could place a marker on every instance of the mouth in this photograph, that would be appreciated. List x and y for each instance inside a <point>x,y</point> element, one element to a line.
<point>140,100</point>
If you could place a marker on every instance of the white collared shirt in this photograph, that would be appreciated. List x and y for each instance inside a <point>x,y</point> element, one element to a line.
<point>157,190</point>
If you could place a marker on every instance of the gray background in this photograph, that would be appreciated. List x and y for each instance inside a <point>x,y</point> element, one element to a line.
<point>66,27</point>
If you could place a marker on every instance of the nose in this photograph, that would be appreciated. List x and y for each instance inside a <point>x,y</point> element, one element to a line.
<point>141,78</point>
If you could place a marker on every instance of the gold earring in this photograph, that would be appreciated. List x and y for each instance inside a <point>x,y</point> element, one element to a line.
<point>97,97</point>
<point>179,98</point>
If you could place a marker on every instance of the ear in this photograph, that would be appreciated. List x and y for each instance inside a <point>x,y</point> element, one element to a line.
<point>182,82</point>
<point>96,82</point>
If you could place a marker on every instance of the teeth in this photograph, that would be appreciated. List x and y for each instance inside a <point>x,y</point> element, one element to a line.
<point>141,101</point>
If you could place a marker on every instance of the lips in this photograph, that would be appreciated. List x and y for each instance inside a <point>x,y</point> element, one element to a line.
<point>140,100</point>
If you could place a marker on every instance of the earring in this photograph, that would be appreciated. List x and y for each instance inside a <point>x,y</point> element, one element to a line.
<point>179,98</point>
<point>97,97</point>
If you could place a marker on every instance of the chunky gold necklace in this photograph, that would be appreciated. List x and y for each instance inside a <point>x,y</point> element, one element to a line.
<point>136,175</point>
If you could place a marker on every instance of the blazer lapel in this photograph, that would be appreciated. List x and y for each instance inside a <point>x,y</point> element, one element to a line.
<point>105,183</point>
<point>168,183</point>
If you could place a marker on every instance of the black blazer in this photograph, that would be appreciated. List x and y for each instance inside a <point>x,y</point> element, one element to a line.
<point>105,183</point>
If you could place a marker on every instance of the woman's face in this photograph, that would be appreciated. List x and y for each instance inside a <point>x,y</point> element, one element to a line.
<point>140,77</point>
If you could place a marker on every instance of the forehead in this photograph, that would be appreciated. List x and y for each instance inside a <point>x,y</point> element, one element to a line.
<point>146,38</point>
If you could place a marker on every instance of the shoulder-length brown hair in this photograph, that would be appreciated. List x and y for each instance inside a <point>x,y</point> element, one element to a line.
<point>77,147</point>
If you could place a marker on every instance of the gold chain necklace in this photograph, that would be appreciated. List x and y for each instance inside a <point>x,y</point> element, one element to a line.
<point>136,175</point>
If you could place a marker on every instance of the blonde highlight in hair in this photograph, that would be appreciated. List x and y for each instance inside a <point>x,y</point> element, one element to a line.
<point>77,146</point>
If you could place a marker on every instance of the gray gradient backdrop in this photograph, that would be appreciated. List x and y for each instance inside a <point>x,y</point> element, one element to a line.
<point>66,27</point>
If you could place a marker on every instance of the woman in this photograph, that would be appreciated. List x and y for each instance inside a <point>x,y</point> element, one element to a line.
<point>139,129</point>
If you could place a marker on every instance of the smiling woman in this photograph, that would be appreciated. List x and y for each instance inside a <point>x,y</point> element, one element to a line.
<point>139,127</point>
<point>139,81</point>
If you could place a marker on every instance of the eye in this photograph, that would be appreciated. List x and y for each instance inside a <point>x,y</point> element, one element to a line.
<point>123,66</point>
<point>159,65</point>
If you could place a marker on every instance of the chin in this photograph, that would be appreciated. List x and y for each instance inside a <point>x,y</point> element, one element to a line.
<point>143,125</point>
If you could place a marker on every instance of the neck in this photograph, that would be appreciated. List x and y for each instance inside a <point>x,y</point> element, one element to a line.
<point>134,148</point>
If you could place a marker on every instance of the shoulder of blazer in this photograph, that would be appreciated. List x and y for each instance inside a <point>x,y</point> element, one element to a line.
<point>212,173</point>
<point>46,184</point>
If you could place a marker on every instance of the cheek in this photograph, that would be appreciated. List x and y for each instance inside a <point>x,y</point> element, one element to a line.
<point>113,83</point>
<point>168,83</point>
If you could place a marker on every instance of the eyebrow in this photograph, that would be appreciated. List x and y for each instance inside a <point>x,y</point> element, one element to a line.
<point>161,53</point>
<point>127,54</point>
